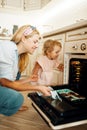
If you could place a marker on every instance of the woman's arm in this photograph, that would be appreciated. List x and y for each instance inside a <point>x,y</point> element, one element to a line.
<point>24,87</point>
<point>11,84</point>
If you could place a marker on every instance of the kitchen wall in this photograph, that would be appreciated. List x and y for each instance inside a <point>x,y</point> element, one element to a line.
<point>57,14</point>
<point>64,12</point>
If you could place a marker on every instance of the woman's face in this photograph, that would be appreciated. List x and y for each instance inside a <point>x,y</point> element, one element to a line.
<point>31,44</point>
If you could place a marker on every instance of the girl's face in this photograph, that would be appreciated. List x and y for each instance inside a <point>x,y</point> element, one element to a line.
<point>31,44</point>
<point>55,53</point>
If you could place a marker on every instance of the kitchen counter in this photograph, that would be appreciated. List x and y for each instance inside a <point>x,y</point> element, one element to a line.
<point>66,29</point>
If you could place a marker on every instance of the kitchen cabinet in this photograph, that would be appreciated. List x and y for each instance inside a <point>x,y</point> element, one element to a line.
<point>23,5</point>
<point>76,39</point>
<point>34,4</point>
<point>11,4</point>
<point>77,34</point>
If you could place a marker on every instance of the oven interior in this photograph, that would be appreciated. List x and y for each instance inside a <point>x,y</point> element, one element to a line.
<point>78,75</point>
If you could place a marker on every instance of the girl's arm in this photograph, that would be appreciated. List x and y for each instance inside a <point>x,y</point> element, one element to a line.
<point>36,69</point>
<point>34,75</point>
<point>32,78</point>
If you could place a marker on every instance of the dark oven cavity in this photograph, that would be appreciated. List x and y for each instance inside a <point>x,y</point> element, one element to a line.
<point>78,75</point>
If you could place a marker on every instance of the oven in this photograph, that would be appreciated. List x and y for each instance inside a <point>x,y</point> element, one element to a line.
<point>77,49</point>
<point>71,110</point>
<point>75,64</point>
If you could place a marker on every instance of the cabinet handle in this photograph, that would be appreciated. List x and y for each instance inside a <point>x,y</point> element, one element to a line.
<point>82,33</point>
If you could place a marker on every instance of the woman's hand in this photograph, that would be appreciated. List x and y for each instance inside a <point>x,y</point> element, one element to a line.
<point>46,91</point>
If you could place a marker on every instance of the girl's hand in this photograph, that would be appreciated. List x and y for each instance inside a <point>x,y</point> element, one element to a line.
<point>61,67</point>
<point>33,78</point>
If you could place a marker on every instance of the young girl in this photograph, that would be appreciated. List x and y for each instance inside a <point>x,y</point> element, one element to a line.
<point>45,63</point>
<point>14,59</point>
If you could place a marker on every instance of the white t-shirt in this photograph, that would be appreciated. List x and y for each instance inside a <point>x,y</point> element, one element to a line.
<point>8,60</point>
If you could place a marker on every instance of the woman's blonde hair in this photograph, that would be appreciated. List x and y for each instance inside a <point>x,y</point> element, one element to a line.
<point>27,31</point>
<point>49,46</point>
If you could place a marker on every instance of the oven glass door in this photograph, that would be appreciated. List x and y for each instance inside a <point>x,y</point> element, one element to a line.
<point>78,75</point>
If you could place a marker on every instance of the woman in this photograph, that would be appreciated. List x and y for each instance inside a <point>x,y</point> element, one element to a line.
<point>14,58</point>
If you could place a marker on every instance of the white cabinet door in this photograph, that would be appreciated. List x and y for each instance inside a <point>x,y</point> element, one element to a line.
<point>2,3</point>
<point>34,4</point>
<point>11,4</point>
<point>77,34</point>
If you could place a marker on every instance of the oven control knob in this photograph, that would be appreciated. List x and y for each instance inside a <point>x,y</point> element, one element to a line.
<point>75,47</point>
<point>83,46</point>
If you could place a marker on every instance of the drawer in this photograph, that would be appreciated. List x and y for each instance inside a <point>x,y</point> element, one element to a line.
<point>77,34</point>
